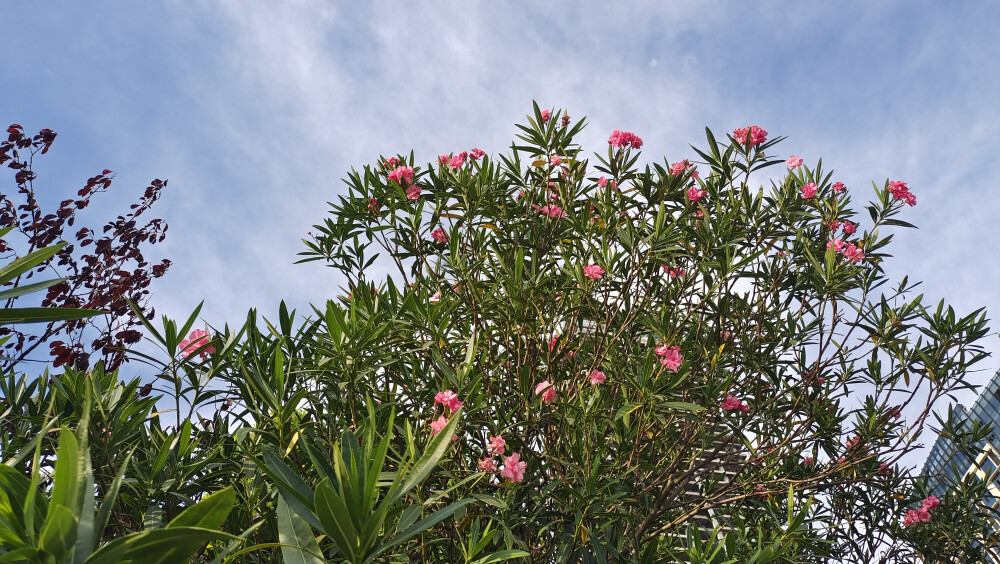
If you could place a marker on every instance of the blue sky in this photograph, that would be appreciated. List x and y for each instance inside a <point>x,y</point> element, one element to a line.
<point>254,111</point>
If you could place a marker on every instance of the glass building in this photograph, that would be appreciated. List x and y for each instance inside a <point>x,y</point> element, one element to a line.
<point>944,453</point>
<point>948,463</point>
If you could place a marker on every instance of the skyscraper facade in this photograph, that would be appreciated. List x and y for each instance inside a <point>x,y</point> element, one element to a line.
<point>947,462</point>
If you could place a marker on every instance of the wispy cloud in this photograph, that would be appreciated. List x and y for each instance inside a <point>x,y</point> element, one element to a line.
<point>256,110</point>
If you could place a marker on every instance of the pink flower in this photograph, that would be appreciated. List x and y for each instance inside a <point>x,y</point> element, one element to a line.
<point>931,502</point>
<point>477,153</point>
<point>555,160</point>
<point>614,185</point>
<point>449,400</point>
<point>487,464</point>
<point>923,515</point>
<point>911,518</point>
<point>757,135</point>
<point>809,190</point>
<point>443,159</point>
<point>602,182</point>
<point>679,167</point>
<point>695,174</point>
<point>413,192</point>
<point>899,191</point>
<point>695,195</point>
<point>733,403</point>
<point>837,245</point>
<point>552,343</point>
<point>513,468</point>
<point>672,358</point>
<point>593,271</point>
<point>497,445</point>
<point>546,390</point>
<point>853,252</point>
<point>850,228</point>
<point>391,162</point>
<point>550,210</point>
<point>808,461</point>
<point>457,161</point>
<point>436,296</point>
<point>674,271</point>
<point>439,235</point>
<point>793,162</point>
<point>438,424</point>
<point>565,120</point>
<point>597,377</point>
<point>196,339</point>
<point>546,115</point>
<point>373,204</point>
<point>402,175</point>
<point>624,139</point>
<point>834,225</point>
<point>838,187</point>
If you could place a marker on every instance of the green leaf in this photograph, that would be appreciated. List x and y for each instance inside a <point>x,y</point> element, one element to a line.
<point>29,288</point>
<point>298,545</point>
<point>626,409</point>
<point>44,314</point>
<point>65,481</point>
<point>59,531</point>
<point>681,406</point>
<point>24,554</point>
<point>101,521</point>
<point>159,546</point>
<point>209,513</point>
<point>27,262</point>
<point>501,556</point>
<point>432,455</point>
<point>422,525</point>
<point>338,523</point>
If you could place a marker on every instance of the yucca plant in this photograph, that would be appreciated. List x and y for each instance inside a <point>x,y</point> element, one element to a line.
<point>59,520</point>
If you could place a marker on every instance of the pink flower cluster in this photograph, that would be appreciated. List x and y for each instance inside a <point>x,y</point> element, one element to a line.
<point>476,154</point>
<point>922,515</point>
<point>850,251</point>
<point>497,445</point>
<point>597,377</point>
<point>669,356</point>
<point>550,210</point>
<point>793,162</point>
<point>674,271</point>
<point>681,167</point>
<point>402,175</point>
<point>197,339</point>
<point>438,424</point>
<point>809,190</point>
<point>899,191</point>
<point>439,235</point>
<point>546,114</point>
<point>733,403</point>
<point>695,195</point>
<point>390,162</point>
<point>593,271</point>
<point>513,468</point>
<point>838,187</point>
<point>449,400</point>
<point>624,139</point>
<point>757,135</point>
<point>547,391</point>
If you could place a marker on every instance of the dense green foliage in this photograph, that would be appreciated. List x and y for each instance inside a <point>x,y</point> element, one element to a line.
<point>689,368</point>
